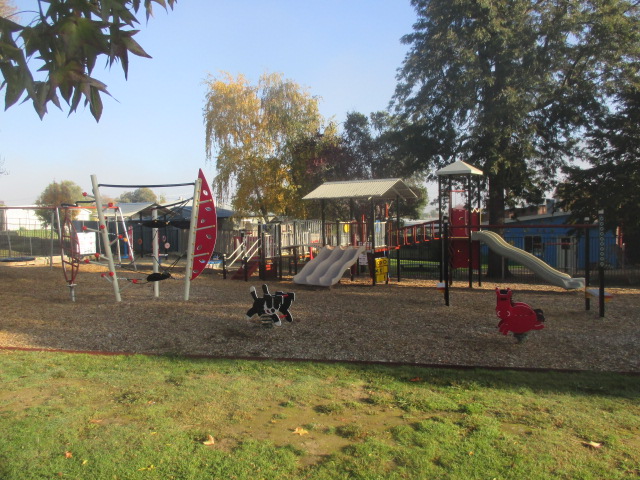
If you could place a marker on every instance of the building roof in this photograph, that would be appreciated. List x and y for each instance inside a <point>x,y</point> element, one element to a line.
<point>386,188</point>
<point>459,168</point>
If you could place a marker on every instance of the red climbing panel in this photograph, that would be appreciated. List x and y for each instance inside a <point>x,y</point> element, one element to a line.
<point>206,229</point>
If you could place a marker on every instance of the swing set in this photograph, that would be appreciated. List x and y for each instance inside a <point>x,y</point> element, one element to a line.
<point>200,244</point>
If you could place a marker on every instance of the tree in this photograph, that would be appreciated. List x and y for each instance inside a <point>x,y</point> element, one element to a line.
<point>252,130</point>
<point>611,181</point>
<point>66,40</point>
<point>55,195</point>
<point>314,160</point>
<point>7,8</point>
<point>377,147</point>
<point>511,85</point>
<point>139,195</point>
<point>368,147</point>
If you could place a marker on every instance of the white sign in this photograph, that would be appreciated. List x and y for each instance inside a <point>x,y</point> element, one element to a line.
<point>87,243</point>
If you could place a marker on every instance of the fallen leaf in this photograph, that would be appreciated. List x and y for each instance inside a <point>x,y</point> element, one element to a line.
<point>96,420</point>
<point>592,444</point>
<point>68,454</point>
<point>300,431</point>
<point>210,441</point>
<point>416,379</point>
<point>150,467</point>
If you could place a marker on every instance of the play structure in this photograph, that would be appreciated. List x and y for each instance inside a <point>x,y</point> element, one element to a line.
<point>271,309</point>
<point>516,317</point>
<point>372,237</point>
<point>362,243</point>
<point>328,267</point>
<point>463,230</point>
<point>201,241</point>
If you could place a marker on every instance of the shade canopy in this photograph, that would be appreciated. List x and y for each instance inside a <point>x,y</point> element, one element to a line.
<point>142,209</point>
<point>459,168</point>
<point>384,189</point>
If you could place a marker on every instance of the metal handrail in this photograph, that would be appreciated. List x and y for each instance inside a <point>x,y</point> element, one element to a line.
<point>234,256</point>
<point>241,251</point>
<point>253,249</point>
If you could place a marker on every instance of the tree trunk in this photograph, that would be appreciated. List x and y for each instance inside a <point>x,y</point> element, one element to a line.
<point>496,217</point>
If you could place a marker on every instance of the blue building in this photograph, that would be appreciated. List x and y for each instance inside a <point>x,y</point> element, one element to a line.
<point>549,237</point>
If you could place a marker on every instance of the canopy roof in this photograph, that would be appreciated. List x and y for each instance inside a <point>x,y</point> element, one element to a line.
<point>142,209</point>
<point>386,189</point>
<point>459,168</point>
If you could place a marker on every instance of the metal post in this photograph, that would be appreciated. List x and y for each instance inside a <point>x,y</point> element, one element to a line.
<point>53,213</point>
<point>587,261</point>
<point>470,259</point>
<point>191,242</point>
<point>102,228</point>
<point>398,237</point>
<point>479,223</point>
<point>155,249</point>
<point>440,226</point>
<point>324,233</point>
<point>602,259</point>
<point>372,265</point>
<point>445,260</point>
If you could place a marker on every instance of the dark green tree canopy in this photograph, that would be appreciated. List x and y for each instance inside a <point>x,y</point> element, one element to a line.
<point>612,180</point>
<point>511,86</point>
<point>64,40</point>
<point>369,147</point>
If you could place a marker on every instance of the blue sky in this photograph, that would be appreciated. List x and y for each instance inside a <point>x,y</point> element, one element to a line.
<point>345,51</point>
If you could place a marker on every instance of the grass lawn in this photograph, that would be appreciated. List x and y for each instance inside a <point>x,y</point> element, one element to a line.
<point>80,416</point>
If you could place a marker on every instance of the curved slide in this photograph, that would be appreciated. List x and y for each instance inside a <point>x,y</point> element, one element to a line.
<point>496,243</point>
<point>328,267</point>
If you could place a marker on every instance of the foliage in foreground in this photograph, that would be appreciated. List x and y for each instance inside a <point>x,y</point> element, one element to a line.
<point>67,38</point>
<point>80,416</point>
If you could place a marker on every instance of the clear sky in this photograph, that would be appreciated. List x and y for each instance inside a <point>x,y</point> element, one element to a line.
<point>345,51</point>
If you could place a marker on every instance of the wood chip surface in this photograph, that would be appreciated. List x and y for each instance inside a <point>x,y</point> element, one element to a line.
<point>405,322</point>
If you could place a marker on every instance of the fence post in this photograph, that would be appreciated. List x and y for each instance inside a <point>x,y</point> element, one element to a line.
<point>53,213</point>
<point>587,261</point>
<point>445,260</point>
<point>602,259</point>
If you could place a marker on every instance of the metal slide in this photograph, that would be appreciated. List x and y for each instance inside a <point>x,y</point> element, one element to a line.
<point>496,243</point>
<point>328,267</point>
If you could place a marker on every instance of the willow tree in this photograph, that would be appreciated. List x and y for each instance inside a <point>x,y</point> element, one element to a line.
<point>251,131</point>
<point>511,86</point>
<point>7,8</point>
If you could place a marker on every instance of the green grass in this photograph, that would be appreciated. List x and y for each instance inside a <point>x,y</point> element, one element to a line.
<point>132,417</point>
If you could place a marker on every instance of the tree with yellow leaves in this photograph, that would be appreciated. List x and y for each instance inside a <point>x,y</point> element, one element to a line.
<point>7,8</point>
<point>251,131</point>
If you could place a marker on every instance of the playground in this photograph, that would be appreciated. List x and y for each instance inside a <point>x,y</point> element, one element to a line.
<point>405,322</point>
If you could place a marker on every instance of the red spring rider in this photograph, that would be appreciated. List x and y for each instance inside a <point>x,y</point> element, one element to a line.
<point>516,317</point>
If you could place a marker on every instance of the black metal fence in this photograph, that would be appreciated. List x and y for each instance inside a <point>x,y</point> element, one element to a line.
<point>28,243</point>
<point>566,254</point>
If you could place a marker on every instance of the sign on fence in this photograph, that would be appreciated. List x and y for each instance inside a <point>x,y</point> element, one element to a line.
<point>87,243</point>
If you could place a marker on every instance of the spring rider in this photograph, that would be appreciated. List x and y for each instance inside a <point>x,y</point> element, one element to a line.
<point>271,308</point>
<point>516,317</point>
